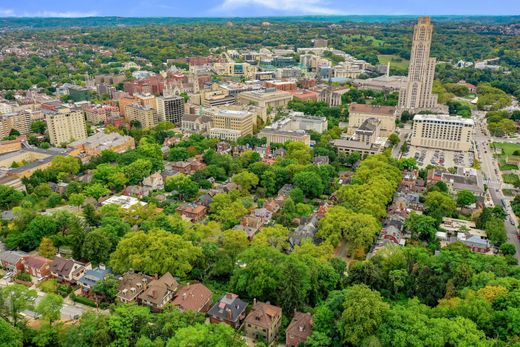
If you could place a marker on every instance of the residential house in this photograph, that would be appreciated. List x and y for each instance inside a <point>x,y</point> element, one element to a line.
<point>305,231</point>
<point>298,330</point>
<point>250,225</point>
<point>272,205</point>
<point>187,167</point>
<point>205,199</point>
<point>36,266</point>
<point>68,270</point>
<point>154,182</point>
<point>93,276</point>
<point>192,211</point>
<point>159,292</point>
<point>320,160</point>
<point>131,286</point>
<point>194,297</point>
<point>229,309</point>
<point>263,322</point>
<point>12,260</point>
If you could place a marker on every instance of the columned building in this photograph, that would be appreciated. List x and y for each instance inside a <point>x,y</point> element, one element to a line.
<point>417,95</point>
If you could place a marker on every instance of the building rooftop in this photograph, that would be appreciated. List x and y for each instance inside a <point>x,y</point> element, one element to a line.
<point>443,118</point>
<point>372,109</point>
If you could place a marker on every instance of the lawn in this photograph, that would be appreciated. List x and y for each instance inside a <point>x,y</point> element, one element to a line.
<point>395,61</point>
<point>507,149</point>
<point>511,179</point>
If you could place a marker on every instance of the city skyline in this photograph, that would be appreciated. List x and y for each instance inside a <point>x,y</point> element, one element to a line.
<point>252,8</point>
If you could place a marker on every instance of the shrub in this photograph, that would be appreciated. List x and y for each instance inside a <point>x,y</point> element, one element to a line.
<point>49,286</point>
<point>83,300</point>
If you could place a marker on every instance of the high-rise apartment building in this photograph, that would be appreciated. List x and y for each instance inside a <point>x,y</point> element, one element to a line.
<point>146,99</point>
<point>170,108</point>
<point>145,115</point>
<point>417,95</point>
<point>66,125</point>
<point>442,132</point>
<point>20,121</point>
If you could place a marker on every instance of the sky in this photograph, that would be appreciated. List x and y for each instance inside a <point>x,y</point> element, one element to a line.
<point>252,8</point>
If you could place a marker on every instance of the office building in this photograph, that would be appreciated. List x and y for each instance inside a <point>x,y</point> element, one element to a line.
<point>268,99</point>
<point>281,136</point>
<point>294,128</point>
<point>417,95</point>
<point>65,126</point>
<point>146,116</point>
<point>170,108</point>
<point>231,124</point>
<point>442,132</point>
<point>359,113</point>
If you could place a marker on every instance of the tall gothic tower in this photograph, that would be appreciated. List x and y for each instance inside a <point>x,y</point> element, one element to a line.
<point>417,95</point>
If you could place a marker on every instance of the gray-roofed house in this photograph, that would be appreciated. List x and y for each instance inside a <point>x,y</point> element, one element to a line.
<point>93,276</point>
<point>229,309</point>
<point>68,270</point>
<point>306,231</point>
<point>131,286</point>
<point>11,259</point>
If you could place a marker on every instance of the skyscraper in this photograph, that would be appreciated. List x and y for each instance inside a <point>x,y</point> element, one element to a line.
<point>170,108</point>
<point>417,95</point>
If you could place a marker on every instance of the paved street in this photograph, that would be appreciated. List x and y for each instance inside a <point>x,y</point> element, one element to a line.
<point>70,310</point>
<point>493,177</point>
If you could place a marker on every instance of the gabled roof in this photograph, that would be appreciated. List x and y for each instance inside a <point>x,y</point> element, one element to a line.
<point>193,297</point>
<point>12,257</point>
<point>263,315</point>
<point>372,109</point>
<point>63,267</point>
<point>158,289</point>
<point>229,308</point>
<point>300,326</point>
<point>91,277</point>
<point>35,261</point>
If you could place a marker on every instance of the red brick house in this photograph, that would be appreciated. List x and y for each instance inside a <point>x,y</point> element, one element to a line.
<point>193,212</point>
<point>36,266</point>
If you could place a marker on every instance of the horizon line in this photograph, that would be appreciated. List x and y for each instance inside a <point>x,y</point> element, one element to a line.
<point>270,16</point>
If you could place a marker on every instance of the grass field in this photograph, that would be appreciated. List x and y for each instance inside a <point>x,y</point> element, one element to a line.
<point>507,149</point>
<point>511,179</point>
<point>365,38</point>
<point>394,60</point>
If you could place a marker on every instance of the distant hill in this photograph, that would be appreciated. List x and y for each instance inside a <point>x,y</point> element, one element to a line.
<point>14,23</point>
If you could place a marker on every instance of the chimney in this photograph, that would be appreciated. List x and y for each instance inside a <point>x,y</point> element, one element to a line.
<point>254,302</point>
<point>229,296</point>
<point>229,314</point>
<point>102,266</point>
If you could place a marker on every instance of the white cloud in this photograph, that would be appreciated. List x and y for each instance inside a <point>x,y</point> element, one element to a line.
<point>282,6</point>
<point>65,14</point>
<point>6,12</point>
<point>57,14</point>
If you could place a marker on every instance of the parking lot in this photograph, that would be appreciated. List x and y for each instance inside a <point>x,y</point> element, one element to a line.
<point>436,157</point>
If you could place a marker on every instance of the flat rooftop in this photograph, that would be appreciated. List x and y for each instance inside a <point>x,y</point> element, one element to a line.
<point>443,118</point>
